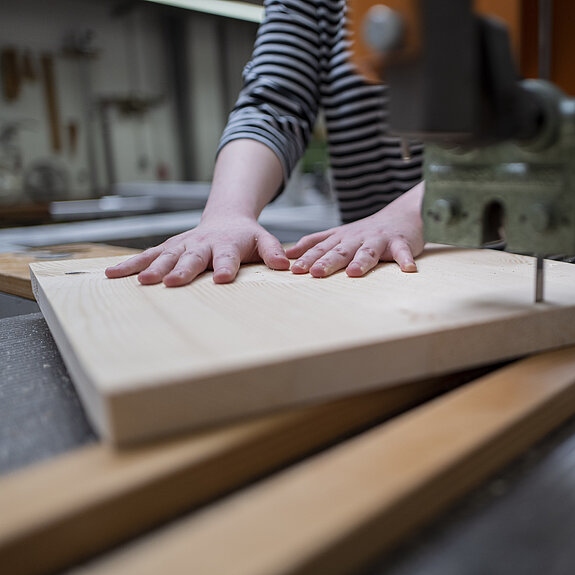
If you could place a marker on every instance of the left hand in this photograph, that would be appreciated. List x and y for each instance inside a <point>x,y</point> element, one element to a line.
<point>395,233</point>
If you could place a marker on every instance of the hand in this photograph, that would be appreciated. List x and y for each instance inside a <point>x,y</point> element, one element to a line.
<point>393,233</point>
<point>222,244</point>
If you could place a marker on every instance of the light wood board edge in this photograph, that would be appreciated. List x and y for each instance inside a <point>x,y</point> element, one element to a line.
<point>59,512</point>
<point>337,511</point>
<point>98,412</point>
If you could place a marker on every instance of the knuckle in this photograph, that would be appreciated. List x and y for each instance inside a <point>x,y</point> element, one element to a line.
<point>399,243</point>
<point>194,254</point>
<point>145,258</point>
<point>398,237</point>
<point>341,251</point>
<point>369,252</point>
<point>171,252</point>
<point>318,251</point>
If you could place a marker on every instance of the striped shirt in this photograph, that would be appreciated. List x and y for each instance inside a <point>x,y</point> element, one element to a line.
<point>301,64</point>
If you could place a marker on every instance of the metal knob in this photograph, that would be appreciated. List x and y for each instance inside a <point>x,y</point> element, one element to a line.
<point>384,28</point>
<point>444,211</point>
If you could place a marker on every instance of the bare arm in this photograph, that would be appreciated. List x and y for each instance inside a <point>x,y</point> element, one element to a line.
<point>246,177</point>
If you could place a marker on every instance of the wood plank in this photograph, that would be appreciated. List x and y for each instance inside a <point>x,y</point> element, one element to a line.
<point>149,360</point>
<point>338,510</point>
<point>15,271</point>
<point>84,502</point>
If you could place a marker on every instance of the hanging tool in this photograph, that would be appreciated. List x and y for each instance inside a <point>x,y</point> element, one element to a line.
<point>51,99</point>
<point>11,78</point>
<point>80,46</point>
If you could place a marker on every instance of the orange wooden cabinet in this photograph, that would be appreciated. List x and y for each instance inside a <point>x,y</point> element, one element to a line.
<point>562,42</point>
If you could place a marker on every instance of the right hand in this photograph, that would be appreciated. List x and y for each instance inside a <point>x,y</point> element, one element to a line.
<point>218,244</point>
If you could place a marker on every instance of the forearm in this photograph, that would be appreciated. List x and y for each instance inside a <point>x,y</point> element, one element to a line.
<point>247,177</point>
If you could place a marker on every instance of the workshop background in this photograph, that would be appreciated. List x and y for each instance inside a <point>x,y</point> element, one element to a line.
<point>115,108</point>
<point>119,96</point>
<point>110,115</point>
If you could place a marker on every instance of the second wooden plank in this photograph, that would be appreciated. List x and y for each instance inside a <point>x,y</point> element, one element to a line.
<point>56,513</point>
<point>15,270</point>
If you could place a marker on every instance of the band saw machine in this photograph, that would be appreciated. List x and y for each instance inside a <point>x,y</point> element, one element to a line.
<point>499,150</point>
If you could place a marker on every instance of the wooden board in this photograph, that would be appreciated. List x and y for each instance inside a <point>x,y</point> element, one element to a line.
<point>150,360</point>
<point>337,511</point>
<point>84,502</point>
<point>15,270</point>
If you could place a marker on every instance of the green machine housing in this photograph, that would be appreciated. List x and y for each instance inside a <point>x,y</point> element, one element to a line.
<point>499,151</point>
<point>520,195</point>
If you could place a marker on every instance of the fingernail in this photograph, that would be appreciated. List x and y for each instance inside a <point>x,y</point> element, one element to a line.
<point>319,269</point>
<point>410,267</point>
<point>356,268</point>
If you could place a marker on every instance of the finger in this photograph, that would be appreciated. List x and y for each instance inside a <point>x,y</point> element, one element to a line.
<point>401,253</point>
<point>272,252</point>
<point>303,264</point>
<point>226,263</point>
<point>365,259</point>
<point>306,243</point>
<point>335,259</point>
<point>160,267</point>
<point>135,264</point>
<point>191,264</point>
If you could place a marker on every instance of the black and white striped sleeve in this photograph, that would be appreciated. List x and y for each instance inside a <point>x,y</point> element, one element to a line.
<point>279,101</point>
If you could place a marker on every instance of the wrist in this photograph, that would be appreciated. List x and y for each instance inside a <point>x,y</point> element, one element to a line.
<point>246,178</point>
<point>230,211</point>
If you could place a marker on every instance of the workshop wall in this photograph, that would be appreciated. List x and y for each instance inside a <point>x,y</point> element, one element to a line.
<point>111,116</point>
<point>218,49</point>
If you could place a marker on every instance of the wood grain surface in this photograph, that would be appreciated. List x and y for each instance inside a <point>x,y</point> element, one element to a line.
<point>79,504</point>
<point>337,511</point>
<point>150,360</point>
<point>15,271</point>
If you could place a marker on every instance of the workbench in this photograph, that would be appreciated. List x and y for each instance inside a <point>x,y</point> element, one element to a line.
<point>521,521</point>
